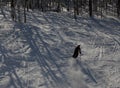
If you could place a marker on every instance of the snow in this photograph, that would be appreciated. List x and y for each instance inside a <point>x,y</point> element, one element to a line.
<point>38,54</point>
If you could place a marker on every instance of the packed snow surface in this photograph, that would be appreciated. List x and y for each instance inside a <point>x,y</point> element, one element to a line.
<point>38,54</point>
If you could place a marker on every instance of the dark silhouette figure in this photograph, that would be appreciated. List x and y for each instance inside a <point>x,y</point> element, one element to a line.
<point>77,51</point>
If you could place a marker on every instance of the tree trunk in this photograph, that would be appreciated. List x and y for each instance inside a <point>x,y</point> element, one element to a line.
<point>13,14</point>
<point>90,8</point>
<point>118,8</point>
<point>25,5</point>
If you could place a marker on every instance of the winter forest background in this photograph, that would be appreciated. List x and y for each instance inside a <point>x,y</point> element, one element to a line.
<point>18,8</point>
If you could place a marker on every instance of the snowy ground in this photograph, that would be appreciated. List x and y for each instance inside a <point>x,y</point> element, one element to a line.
<point>39,54</point>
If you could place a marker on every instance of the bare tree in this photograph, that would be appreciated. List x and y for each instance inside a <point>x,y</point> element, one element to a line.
<point>25,5</point>
<point>90,8</point>
<point>13,13</point>
<point>118,8</point>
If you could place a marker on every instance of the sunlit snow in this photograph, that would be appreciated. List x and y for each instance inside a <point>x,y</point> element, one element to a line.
<point>38,54</point>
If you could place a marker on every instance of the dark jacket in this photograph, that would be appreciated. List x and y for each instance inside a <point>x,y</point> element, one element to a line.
<point>77,51</point>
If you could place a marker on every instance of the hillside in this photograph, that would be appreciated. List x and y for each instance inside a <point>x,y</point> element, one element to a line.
<point>38,54</point>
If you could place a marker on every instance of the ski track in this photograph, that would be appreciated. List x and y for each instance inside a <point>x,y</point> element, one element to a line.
<point>44,60</point>
<point>98,68</point>
<point>86,70</point>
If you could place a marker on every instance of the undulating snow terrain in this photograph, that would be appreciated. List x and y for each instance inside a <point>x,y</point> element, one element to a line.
<point>38,54</point>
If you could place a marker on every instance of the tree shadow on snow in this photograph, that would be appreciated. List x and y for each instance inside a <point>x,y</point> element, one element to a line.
<point>8,68</point>
<point>50,69</point>
<point>87,71</point>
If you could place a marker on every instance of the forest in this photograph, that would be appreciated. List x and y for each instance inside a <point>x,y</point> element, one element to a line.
<point>92,8</point>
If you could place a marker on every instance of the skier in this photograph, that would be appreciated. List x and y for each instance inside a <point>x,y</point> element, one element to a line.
<point>76,52</point>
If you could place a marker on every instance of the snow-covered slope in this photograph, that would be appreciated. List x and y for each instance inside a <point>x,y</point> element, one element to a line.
<point>38,54</point>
